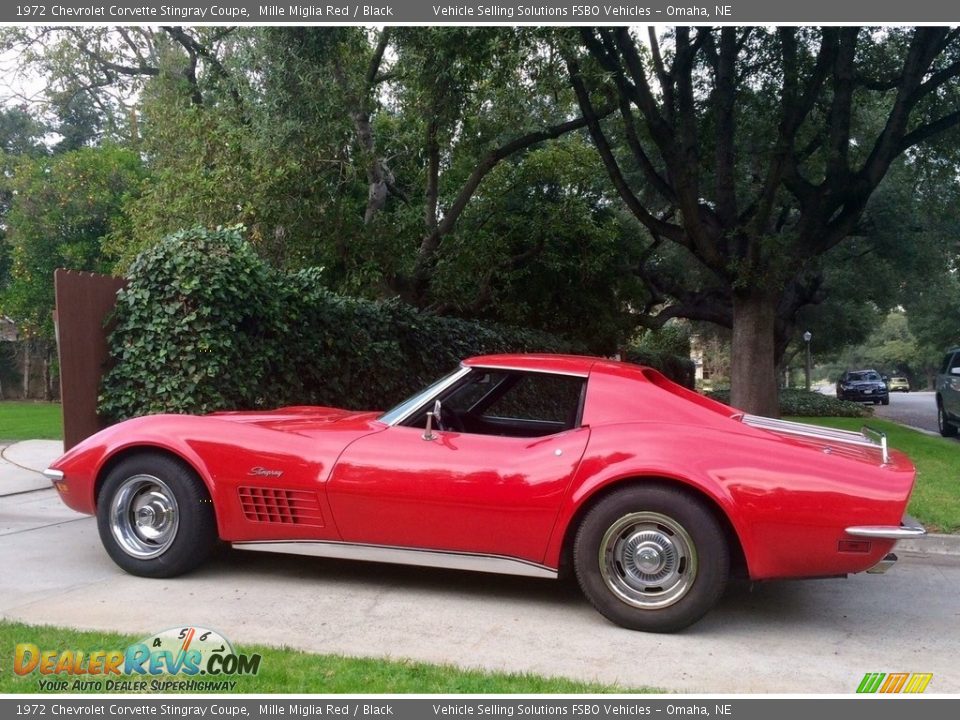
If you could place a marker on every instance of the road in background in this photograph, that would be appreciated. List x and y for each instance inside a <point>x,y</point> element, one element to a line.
<point>917,409</point>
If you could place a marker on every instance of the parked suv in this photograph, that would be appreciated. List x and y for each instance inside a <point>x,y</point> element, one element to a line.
<point>948,393</point>
<point>863,386</point>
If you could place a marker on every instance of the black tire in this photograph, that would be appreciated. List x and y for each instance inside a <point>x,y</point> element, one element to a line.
<point>947,429</point>
<point>155,516</point>
<point>686,555</point>
<point>885,401</point>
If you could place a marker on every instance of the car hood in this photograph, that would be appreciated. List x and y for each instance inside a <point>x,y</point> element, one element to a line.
<point>299,419</point>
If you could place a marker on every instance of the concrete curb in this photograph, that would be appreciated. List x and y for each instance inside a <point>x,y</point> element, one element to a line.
<point>932,544</point>
<point>33,455</point>
<point>22,465</point>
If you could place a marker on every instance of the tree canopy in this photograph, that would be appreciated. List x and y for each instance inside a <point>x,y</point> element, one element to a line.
<point>586,181</point>
<point>753,153</point>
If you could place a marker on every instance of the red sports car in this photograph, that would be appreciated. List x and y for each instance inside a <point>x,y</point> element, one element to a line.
<point>521,464</point>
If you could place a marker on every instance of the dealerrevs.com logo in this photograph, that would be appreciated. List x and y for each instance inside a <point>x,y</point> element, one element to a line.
<point>180,659</point>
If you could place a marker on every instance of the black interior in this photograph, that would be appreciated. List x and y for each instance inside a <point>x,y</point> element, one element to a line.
<point>508,404</point>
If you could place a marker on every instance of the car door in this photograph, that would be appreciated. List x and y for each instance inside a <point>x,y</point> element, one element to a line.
<point>492,486</point>
<point>950,385</point>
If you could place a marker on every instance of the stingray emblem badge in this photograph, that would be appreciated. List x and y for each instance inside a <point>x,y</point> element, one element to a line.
<point>264,472</point>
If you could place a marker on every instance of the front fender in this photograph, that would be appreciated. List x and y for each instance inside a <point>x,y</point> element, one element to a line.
<point>222,453</point>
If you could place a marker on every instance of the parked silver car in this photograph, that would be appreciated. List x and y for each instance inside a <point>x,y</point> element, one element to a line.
<point>948,393</point>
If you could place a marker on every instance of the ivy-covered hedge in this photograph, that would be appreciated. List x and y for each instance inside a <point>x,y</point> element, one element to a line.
<point>800,403</point>
<point>205,324</point>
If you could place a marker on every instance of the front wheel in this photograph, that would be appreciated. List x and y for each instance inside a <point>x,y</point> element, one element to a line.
<point>155,516</point>
<point>943,424</point>
<point>651,558</point>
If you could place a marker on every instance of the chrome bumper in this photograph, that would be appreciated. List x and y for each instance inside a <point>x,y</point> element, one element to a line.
<point>52,475</point>
<point>908,528</point>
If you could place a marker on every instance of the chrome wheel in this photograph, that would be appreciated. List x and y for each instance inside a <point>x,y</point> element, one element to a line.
<point>648,560</point>
<point>144,516</point>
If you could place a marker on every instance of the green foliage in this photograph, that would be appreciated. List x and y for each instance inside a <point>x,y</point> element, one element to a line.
<point>63,208</point>
<point>21,136</point>
<point>668,350</point>
<point>9,372</point>
<point>671,339</point>
<point>541,247</point>
<point>808,404</point>
<point>890,349</point>
<point>205,324</point>
<point>193,326</point>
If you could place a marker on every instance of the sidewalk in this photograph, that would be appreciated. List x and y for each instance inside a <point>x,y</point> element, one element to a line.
<point>22,465</point>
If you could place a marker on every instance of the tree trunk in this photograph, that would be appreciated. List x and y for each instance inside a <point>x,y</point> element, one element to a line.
<point>753,370</point>
<point>26,369</point>
<point>47,375</point>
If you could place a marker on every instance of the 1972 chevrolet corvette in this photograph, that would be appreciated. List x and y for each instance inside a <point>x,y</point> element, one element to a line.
<point>520,464</point>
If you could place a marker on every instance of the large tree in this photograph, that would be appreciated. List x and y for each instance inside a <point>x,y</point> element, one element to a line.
<point>752,153</point>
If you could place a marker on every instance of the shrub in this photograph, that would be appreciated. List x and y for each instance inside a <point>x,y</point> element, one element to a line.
<point>681,369</point>
<point>801,403</point>
<point>204,324</point>
<point>193,327</point>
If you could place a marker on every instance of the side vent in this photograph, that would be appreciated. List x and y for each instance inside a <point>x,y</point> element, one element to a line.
<point>277,505</point>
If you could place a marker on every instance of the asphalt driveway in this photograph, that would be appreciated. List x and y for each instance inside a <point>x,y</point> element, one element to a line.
<point>813,636</point>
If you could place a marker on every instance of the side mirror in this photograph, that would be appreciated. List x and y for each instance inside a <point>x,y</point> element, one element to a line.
<point>433,417</point>
<point>428,430</point>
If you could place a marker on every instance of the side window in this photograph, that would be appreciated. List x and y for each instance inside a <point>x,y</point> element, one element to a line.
<point>479,386</point>
<point>540,398</point>
<point>945,366</point>
<point>956,361</point>
<point>510,404</point>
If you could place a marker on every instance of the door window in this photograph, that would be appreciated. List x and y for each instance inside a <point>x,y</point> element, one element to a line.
<point>511,404</point>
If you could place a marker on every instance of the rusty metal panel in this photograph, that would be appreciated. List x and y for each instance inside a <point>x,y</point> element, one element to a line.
<point>84,302</point>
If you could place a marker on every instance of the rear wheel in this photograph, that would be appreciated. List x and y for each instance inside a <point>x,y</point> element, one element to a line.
<point>943,423</point>
<point>155,516</point>
<point>651,558</point>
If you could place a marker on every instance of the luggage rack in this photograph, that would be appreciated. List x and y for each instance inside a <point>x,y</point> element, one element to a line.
<point>867,437</point>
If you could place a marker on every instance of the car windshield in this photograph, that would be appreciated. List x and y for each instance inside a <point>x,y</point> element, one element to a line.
<point>414,401</point>
<point>864,376</point>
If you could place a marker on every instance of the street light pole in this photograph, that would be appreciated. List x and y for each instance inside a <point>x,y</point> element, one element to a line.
<point>807,336</point>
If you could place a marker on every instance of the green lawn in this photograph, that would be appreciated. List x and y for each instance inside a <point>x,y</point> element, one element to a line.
<point>936,496</point>
<point>291,671</point>
<point>30,420</point>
